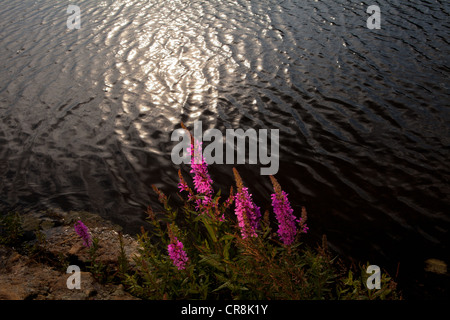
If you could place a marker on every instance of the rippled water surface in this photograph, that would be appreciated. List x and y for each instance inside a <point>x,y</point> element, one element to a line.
<point>86,115</point>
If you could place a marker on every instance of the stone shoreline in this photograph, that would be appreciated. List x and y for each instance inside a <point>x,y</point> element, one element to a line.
<point>42,275</point>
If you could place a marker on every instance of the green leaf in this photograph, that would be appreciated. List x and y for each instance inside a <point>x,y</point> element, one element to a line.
<point>210,230</point>
<point>213,260</point>
<point>223,286</point>
<point>226,250</point>
<point>227,237</point>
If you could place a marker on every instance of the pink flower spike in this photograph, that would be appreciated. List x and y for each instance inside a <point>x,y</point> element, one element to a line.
<point>286,219</point>
<point>83,232</point>
<point>177,254</point>
<point>248,214</point>
<point>202,180</point>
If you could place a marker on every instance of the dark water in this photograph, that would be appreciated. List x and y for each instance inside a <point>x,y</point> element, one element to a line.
<point>86,115</point>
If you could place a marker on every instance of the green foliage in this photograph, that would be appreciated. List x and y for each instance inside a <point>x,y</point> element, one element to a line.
<point>97,268</point>
<point>38,249</point>
<point>223,265</point>
<point>353,287</point>
<point>123,265</point>
<point>11,229</point>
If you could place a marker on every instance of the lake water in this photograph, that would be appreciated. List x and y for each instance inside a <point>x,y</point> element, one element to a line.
<point>86,114</point>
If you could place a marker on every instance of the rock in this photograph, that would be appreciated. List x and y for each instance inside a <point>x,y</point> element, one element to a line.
<point>22,278</point>
<point>25,277</point>
<point>435,266</point>
<point>67,243</point>
<point>76,249</point>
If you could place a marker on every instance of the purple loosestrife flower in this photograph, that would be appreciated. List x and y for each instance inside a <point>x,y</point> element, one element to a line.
<point>248,214</point>
<point>83,232</point>
<point>199,167</point>
<point>177,254</point>
<point>286,220</point>
<point>287,229</point>
<point>183,186</point>
<point>202,180</point>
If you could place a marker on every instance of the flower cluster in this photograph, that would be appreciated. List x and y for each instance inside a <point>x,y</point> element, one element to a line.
<point>83,232</point>
<point>199,168</point>
<point>286,220</point>
<point>182,185</point>
<point>287,229</point>
<point>202,180</point>
<point>248,214</point>
<point>177,254</point>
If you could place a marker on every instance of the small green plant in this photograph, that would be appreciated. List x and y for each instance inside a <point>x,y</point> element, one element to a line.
<point>353,287</point>
<point>11,229</point>
<point>38,249</point>
<point>97,268</point>
<point>122,263</point>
